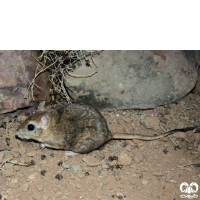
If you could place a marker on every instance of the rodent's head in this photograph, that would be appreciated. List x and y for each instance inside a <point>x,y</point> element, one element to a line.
<point>34,127</point>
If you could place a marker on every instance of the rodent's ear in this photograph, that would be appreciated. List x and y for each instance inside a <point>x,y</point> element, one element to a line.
<point>44,121</point>
<point>41,105</point>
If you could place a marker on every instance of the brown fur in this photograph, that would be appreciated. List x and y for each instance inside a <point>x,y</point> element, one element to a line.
<point>75,127</point>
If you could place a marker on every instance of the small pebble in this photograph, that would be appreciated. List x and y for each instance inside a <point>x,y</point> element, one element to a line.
<point>32,162</point>
<point>144,182</point>
<point>87,173</point>
<point>59,177</point>
<point>66,165</point>
<point>43,172</point>
<point>111,158</point>
<point>60,163</point>
<point>43,157</point>
<point>76,168</point>
<point>101,184</point>
<point>31,177</point>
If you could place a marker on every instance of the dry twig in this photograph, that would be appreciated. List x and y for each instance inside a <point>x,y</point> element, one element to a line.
<point>60,64</point>
<point>168,135</point>
<point>194,107</point>
<point>9,160</point>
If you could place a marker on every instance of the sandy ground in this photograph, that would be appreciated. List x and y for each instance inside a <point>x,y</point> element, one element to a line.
<point>139,170</point>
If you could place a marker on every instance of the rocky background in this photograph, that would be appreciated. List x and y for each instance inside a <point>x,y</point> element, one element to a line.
<point>124,79</point>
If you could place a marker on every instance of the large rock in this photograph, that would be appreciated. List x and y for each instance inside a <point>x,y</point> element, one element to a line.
<point>135,79</point>
<point>17,71</point>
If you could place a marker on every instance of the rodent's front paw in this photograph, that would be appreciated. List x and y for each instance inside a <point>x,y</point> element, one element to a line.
<point>42,146</point>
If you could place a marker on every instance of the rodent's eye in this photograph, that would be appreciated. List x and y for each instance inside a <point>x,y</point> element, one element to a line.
<point>31,127</point>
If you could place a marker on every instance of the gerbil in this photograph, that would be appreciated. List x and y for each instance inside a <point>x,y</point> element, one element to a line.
<point>77,128</point>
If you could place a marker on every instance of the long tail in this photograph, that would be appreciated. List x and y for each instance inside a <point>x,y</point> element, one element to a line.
<point>155,137</point>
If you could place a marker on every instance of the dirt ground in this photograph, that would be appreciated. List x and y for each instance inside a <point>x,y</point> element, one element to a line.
<point>139,170</point>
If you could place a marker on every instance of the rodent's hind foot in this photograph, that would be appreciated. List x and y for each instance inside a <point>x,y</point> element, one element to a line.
<point>70,153</point>
<point>42,146</point>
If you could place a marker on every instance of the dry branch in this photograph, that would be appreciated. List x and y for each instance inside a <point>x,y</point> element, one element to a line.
<point>59,64</point>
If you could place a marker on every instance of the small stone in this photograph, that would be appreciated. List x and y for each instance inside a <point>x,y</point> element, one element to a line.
<point>66,165</point>
<point>101,184</point>
<point>59,177</point>
<point>101,174</point>
<point>111,158</point>
<point>43,157</point>
<point>31,177</point>
<point>76,168</point>
<point>91,161</point>
<point>87,173</point>
<point>31,153</point>
<point>43,172</point>
<point>144,182</point>
<point>60,163</point>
